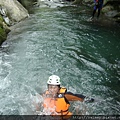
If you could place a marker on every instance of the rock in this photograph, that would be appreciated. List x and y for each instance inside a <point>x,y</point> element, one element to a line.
<point>15,10</point>
<point>3,12</point>
<point>28,4</point>
<point>118,20</point>
<point>3,34</point>
<point>117,17</point>
<point>107,8</point>
<point>111,13</point>
<point>4,30</point>
<point>11,11</point>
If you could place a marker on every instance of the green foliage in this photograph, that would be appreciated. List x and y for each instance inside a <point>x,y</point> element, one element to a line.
<point>3,34</point>
<point>1,19</point>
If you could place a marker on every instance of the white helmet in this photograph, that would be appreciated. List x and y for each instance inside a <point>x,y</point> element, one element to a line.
<point>54,80</point>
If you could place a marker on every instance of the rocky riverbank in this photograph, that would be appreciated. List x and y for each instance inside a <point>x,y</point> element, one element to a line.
<point>111,8</point>
<point>13,11</point>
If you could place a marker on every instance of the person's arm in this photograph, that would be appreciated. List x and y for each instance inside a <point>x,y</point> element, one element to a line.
<point>74,97</point>
<point>77,97</point>
<point>37,99</point>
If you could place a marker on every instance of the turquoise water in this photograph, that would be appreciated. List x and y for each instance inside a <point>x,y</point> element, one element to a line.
<point>61,41</point>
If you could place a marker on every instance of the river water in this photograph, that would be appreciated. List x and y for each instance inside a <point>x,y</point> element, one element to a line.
<point>60,40</point>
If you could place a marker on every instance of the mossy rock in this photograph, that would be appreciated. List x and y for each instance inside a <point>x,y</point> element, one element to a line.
<point>3,35</point>
<point>1,19</point>
<point>107,8</point>
<point>1,24</point>
<point>4,30</point>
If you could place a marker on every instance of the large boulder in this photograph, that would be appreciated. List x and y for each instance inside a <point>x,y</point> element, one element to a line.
<point>112,9</point>
<point>28,4</point>
<point>11,11</point>
<point>15,10</point>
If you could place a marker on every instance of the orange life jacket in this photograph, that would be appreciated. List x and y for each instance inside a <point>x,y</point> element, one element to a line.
<point>58,104</point>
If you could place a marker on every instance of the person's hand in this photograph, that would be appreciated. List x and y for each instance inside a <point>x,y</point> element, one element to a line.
<point>89,100</point>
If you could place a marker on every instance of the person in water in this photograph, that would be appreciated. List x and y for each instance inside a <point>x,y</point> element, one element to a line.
<point>98,5</point>
<point>56,98</point>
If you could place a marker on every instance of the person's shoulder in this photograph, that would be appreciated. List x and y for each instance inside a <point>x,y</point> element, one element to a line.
<point>63,89</point>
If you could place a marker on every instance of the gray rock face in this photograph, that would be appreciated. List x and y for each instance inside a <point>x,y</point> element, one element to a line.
<point>11,11</point>
<point>15,11</point>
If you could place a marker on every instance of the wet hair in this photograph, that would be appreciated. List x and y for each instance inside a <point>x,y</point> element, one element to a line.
<point>58,86</point>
